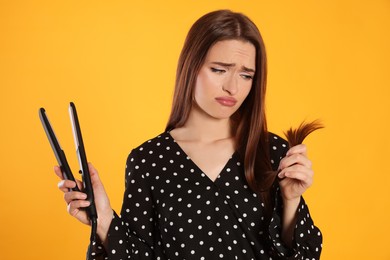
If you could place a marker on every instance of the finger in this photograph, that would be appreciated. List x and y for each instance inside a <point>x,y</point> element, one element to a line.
<point>92,168</point>
<point>298,173</point>
<point>79,184</point>
<point>74,195</point>
<point>75,206</point>
<point>96,183</point>
<point>297,158</point>
<point>65,185</point>
<point>296,168</point>
<point>93,172</point>
<point>305,179</point>
<point>300,148</point>
<point>58,172</point>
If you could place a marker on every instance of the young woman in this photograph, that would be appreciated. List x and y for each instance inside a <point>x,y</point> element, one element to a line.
<point>216,184</point>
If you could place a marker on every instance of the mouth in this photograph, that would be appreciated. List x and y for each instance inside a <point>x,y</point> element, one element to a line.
<point>226,101</point>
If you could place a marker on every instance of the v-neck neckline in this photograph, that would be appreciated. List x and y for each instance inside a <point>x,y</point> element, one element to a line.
<point>220,174</point>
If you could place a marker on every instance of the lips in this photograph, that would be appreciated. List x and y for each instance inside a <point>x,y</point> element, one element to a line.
<point>226,101</point>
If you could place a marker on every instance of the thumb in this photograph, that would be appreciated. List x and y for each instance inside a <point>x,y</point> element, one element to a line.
<point>101,199</point>
<point>94,175</point>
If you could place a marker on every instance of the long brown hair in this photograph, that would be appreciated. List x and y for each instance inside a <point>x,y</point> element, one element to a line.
<point>297,135</point>
<point>249,124</point>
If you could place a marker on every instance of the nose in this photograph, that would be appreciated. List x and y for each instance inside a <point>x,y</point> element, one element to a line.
<point>230,85</point>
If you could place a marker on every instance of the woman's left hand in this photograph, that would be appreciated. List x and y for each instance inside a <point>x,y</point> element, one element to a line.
<point>295,173</point>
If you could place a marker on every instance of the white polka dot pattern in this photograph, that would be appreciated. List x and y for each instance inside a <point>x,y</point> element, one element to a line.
<point>172,210</point>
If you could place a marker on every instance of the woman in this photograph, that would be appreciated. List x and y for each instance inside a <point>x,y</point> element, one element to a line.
<point>215,184</point>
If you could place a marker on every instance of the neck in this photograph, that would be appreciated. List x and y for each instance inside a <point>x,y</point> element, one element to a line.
<point>202,127</point>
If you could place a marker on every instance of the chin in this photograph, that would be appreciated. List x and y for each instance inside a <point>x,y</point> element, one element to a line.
<point>222,116</point>
<point>217,112</point>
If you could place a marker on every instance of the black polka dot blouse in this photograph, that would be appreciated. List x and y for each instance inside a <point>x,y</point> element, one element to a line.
<point>172,210</point>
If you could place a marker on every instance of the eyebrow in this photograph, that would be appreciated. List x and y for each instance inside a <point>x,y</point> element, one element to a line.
<point>232,65</point>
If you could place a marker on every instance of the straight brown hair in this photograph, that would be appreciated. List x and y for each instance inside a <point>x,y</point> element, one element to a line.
<point>249,124</point>
<point>296,136</point>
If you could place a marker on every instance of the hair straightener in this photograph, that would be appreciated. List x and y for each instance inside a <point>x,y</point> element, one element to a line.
<point>82,158</point>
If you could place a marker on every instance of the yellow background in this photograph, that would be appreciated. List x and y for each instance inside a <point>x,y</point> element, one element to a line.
<point>117,59</point>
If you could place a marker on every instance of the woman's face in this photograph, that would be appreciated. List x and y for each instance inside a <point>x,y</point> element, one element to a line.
<point>225,78</point>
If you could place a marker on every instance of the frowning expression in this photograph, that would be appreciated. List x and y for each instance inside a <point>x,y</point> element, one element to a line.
<point>225,78</point>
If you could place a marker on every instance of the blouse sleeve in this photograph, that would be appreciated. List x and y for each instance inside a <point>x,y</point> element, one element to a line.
<point>307,240</point>
<point>130,235</point>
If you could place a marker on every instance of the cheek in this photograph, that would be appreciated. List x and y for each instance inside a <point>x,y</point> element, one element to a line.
<point>244,94</point>
<point>199,88</point>
<point>246,90</point>
<point>204,86</point>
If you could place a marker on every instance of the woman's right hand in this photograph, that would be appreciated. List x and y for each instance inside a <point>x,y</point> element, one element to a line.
<point>76,201</point>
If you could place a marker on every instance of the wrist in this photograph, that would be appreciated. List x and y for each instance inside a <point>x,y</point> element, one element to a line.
<point>291,203</point>
<point>104,222</point>
<point>290,208</point>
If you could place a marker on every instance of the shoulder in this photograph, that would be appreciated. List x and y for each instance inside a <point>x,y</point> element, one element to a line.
<point>157,142</point>
<point>278,148</point>
<point>276,142</point>
<point>143,160</point>
<point>152,147</point>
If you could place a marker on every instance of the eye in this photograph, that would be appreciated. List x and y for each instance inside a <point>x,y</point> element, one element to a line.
<point>246,76</point>
<point>218,71</point>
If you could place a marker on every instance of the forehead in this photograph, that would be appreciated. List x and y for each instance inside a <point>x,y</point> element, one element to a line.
<point>233,51</point>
